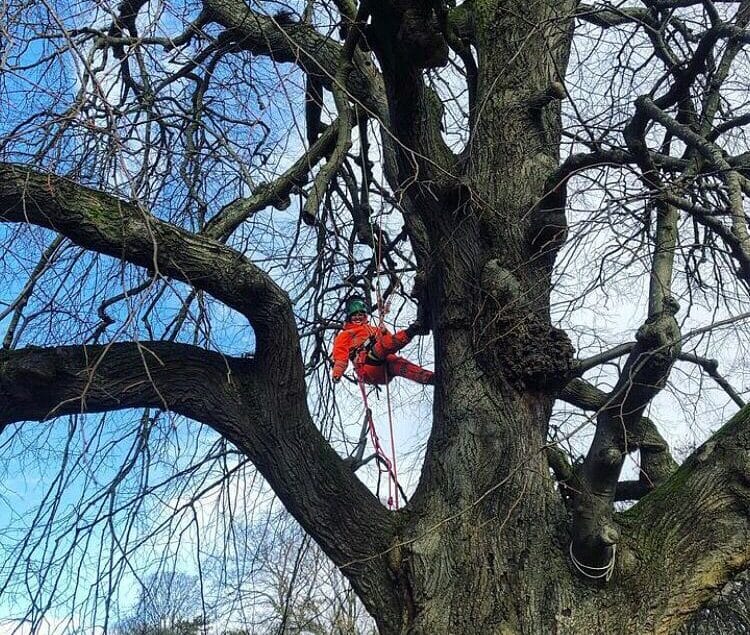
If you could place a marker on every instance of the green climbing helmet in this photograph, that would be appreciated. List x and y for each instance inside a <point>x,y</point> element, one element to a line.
<point>355,305</point>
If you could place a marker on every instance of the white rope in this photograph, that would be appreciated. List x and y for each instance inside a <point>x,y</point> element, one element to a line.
<point>601,572</point>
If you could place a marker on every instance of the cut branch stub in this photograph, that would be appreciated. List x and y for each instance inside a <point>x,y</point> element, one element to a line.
<point>644,375</point>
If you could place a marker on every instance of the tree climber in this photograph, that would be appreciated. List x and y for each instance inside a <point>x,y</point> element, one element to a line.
<point>372,349</point>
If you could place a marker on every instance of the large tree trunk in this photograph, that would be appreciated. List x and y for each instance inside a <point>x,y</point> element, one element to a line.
<point>483,549</point>
<point>484,544</point>
<point>477,558</point>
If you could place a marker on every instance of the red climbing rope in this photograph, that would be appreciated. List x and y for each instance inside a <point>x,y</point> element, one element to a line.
<point>382,457</point>
<point>394,470</point>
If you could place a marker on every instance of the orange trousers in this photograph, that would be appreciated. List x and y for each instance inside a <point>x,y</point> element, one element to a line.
<point>389,365</point>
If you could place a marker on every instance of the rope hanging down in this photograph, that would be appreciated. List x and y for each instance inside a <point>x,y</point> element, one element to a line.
<point>383,308</point>
<point>385,464</point>
<point>383,459</point>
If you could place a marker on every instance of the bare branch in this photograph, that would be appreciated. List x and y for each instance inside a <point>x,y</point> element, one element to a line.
<point>114,227</point>
<point>38,384</point>
<point>711,366</point>
<point>606,16</point>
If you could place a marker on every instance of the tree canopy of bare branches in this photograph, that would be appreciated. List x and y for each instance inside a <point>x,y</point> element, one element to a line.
<point>191,189</point>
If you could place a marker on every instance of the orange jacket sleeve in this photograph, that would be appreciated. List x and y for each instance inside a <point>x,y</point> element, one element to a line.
<point>341,347</point>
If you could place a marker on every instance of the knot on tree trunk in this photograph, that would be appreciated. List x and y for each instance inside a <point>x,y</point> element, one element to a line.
<point>659,337</point>
<point>545,354</point>
<point>519,346</point>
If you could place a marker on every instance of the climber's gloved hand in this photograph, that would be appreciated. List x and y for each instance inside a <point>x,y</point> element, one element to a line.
<point>417,328</point>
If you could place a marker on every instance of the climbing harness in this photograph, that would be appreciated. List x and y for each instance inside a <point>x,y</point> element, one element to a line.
<point>594,573</point>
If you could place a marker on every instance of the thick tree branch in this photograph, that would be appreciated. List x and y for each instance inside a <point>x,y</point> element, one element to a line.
<point>38,384</point>
<point>237,398</point>
<point>643,376</point>
<point>108,225</point>
<point>692,534</point>
<point>299,43</point>
<point>406,38</point>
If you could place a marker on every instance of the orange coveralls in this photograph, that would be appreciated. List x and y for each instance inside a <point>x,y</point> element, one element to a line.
<point>387,366</point>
